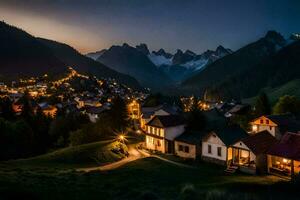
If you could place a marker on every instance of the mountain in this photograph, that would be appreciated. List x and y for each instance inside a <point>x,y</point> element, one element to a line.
<point>273,72</point>
<point>143,48</point>
<point>133,61</point>
<point>235,64</point>
<point>86,65</point>
<point>22,55</point>
<point>95,55</point>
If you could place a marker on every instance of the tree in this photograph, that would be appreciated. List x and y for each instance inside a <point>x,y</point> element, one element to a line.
<point>27,110</point>
<point>262,105</point>
<point>287,104</point>
<point>119,115</point>
<point>40,125</point>
<point>62,126</point>
<point>195,118</point>
<point>6,108</point>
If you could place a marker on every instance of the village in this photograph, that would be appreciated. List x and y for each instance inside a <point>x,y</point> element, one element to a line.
<point>73,92</point>
<point>270,146</point>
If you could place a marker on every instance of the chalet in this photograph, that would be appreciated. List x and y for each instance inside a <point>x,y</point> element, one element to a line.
<point>161,131</point>
<point>277,125</point>
<point>188,145</point>
<point>249,153</point>
<point>284,157</point>
<point>147,113</point>
<point>215,144</point>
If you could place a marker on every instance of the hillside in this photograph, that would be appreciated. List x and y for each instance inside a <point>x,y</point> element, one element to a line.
<point>93,154</point>
<point>23,55</point>
<point>131,61</point>
<point>236,63</point>
<point>273,72</point>
<point>289,88</point>
<point>86,65</point>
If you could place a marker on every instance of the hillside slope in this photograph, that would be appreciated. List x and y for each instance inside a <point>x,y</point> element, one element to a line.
<point>86,65</point>
<point>235,63</point>
<point>274,72</point>
<point>92,154</point>
<point>23,55</point>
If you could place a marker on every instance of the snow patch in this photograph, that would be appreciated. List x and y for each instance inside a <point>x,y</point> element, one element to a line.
<point>159,60</point>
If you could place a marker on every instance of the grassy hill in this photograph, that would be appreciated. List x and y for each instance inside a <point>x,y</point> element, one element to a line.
<point>290,88</point>
<point>147,178</point>
<point>93,154</point>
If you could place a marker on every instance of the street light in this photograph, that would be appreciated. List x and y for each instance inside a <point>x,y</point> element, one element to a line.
<point>121,138</point>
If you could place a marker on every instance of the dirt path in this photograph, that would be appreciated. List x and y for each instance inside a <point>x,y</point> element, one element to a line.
<point>134,154</point>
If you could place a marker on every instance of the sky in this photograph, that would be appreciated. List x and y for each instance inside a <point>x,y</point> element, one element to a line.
<point>197,25</point>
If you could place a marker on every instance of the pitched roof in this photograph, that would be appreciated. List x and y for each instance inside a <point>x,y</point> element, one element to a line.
<point>288,147</point>
<point>149,111</point>
<point>231,134</point>
<point>162,121</point>
<point>191,137</point>
<point>260,142</point>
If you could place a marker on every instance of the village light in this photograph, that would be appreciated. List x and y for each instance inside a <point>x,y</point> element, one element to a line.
<point>285,160</point>
<point>254,128</point>
<point>121,138</point>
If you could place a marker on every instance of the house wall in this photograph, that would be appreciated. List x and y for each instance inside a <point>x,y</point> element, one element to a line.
<point>263,123</point>
<point>172,132</point>
<point>215,142</point>
<point>241,145</point>
<point>93,117</point>
<point>155,144</point>
<point>192,150</point>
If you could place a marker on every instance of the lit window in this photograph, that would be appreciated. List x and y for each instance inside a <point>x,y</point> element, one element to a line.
<point>267,121</point>
<point>261,121</point>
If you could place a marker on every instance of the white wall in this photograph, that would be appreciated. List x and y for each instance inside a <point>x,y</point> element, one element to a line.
<point>93,117</point>
<point>151,143</point>
<point>172,132</point>
<point>272,130</point>
<point>215,142</point>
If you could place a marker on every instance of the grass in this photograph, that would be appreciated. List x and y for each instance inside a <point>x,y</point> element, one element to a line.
<point>93,154</point>
<point>290,88</point>
<point>147,178</point>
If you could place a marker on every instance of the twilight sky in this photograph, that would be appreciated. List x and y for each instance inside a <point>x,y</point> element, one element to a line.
<point>90,25</point>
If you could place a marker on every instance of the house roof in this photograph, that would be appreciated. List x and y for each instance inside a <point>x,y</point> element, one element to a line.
<point>149,111</point>
<point>163,121</point>
<point>191,137</point>
<point>94,109</point>
<point>286,122</point>
<point>231,134</point>
<point>288,147</point>
<point>239,109</point>
<point>260,143</point>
